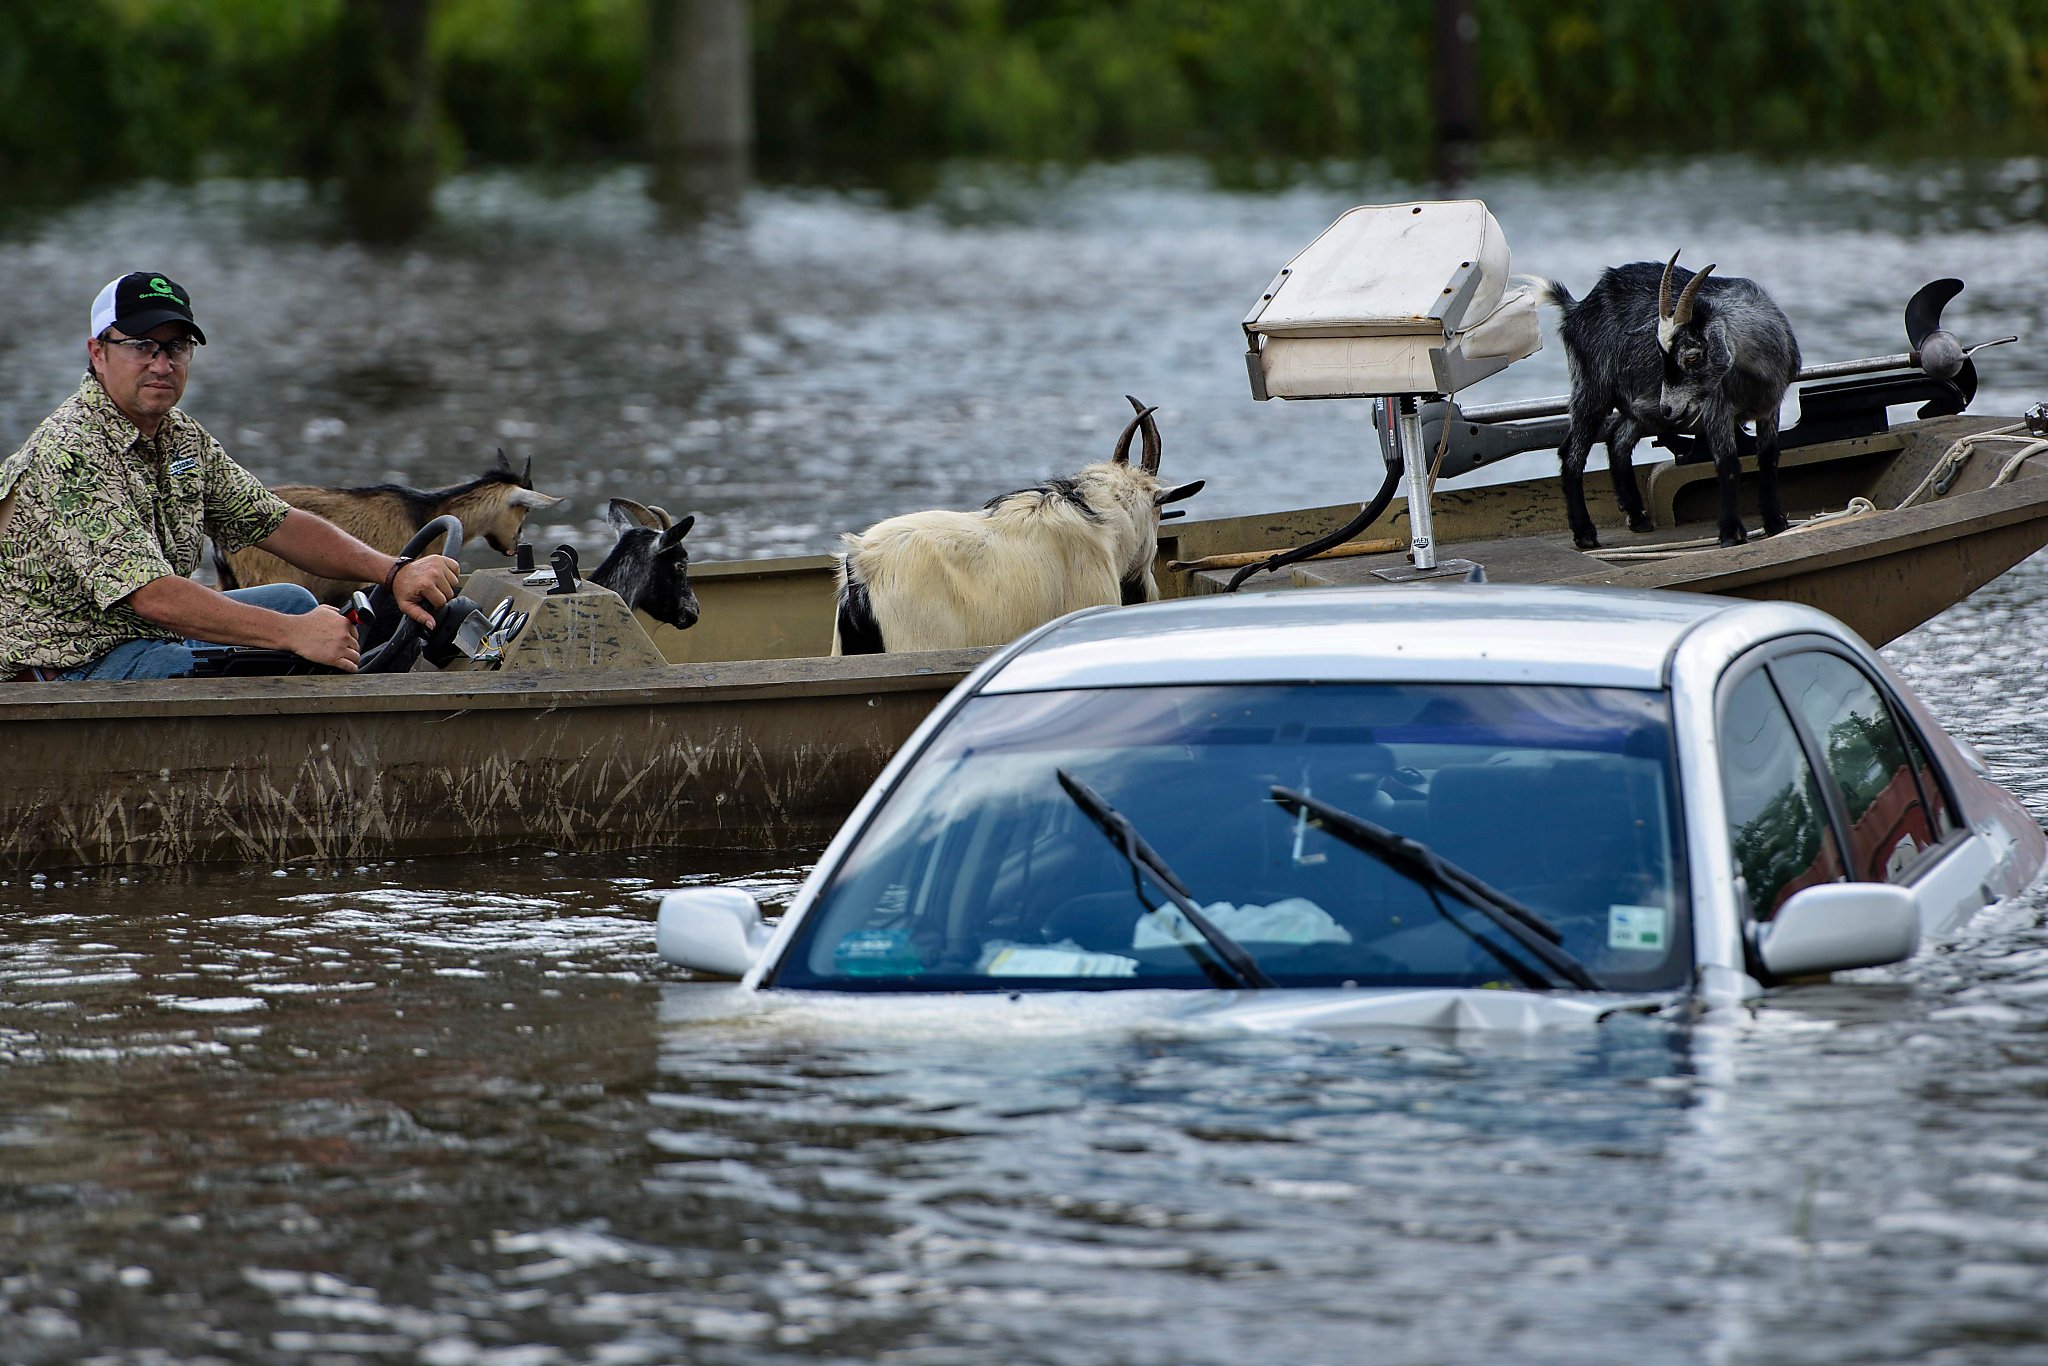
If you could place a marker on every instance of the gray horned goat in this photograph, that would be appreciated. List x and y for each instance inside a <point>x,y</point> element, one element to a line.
<point>492,506</point>
<point>1643,364</point>
<point>954,580</point>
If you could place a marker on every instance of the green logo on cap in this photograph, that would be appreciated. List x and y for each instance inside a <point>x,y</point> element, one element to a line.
<point>161,288</point>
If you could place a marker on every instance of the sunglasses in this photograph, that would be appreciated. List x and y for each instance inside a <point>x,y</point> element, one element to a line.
<point>144,350</point>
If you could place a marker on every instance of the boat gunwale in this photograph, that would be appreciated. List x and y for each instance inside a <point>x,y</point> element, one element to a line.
<point>1828,546</point>
<point>660,685</point>
<point>1763,559</point>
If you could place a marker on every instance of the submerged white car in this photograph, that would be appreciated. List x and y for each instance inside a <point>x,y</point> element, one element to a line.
<point>1457,805</point>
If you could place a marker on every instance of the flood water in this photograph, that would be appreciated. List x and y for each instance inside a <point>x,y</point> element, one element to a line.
<point>821,359</point>
<point>456,1111</point>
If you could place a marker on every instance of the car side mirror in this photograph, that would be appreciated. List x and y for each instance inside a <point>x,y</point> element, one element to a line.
<point>711,929</point>
<point>1840,925</point>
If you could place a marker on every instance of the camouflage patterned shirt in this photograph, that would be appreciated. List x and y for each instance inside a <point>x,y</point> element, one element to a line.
<point>97,511</point>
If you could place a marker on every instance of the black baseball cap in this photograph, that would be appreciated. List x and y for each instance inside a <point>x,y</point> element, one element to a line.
<point>141,300</point>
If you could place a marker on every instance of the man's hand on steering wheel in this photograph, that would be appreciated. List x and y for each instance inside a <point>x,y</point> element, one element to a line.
<point>424,587</point>
<point>325,637</point>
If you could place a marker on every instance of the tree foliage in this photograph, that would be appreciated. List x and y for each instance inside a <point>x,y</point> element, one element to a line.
<point>93,89</point>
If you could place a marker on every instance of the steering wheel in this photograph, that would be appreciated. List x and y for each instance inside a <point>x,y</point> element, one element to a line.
<point>392,648</point>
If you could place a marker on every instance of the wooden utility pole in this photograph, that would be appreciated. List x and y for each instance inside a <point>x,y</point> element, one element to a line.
<point>700,99</point>
<point>382,136</point>
<point>1457,88</point>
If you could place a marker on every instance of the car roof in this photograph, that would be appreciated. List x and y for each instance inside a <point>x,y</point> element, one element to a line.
<point>1487,633</point>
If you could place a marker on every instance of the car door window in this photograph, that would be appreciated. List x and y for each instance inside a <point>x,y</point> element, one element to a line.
<point>1777,825</point>
<point>1889,821</point>
<point>1939,812</point>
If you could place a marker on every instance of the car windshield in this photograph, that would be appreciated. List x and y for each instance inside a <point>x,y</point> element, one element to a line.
<point>981,871</point>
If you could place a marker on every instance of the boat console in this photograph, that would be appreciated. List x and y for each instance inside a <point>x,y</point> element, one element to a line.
<point>1393,299</point>
<point>546,621</point>
<point>516,619</point>
<point>1399,302</point>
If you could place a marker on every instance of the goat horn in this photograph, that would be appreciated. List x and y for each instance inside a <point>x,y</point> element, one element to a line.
<point>1682,313</point>
<point>1664,289</point>
<point>1143,421</point>
<point>1122,454</point>
<point>526,477</point>
<point>637,514</point>
<point>1150,460</point>
<point>503,463</point>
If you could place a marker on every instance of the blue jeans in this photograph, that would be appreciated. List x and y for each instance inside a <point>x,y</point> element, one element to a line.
<point>172,659</point>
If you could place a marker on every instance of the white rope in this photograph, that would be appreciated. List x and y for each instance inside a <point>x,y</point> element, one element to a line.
<point>1951,461</point>
<point>2020,457</point>
<point>1858,507</point>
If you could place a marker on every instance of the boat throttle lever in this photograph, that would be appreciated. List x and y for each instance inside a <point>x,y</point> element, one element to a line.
<point>460,629</point>
<point>564,561</point>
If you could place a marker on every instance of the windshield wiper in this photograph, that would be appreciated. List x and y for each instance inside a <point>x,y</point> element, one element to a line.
<point>1237,968</point>
<point>1420,864</point>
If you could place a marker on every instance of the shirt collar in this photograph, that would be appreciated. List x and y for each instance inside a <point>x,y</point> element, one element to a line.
<point>122,434</point>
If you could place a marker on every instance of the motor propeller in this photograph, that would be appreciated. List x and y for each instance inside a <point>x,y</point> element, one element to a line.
<point>1936,350</point>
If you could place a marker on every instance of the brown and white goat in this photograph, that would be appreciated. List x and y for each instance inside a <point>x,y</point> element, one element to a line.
<point>492,506</point>
<point>954,580</point>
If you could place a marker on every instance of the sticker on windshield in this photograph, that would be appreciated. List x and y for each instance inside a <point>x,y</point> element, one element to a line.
<point>877,953</point>
<point>1638,927</point>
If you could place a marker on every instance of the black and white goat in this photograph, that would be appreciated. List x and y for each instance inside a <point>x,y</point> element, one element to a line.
<point>955,580</point>
<point>1642,364</point>
<point>648,565</point>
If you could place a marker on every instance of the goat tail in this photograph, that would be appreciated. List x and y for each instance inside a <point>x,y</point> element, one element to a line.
<point>1547,291</point>
<point>855,628</point>
<point>223,572</point>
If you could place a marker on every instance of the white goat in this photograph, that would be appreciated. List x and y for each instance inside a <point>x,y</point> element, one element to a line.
<point>955,580</point>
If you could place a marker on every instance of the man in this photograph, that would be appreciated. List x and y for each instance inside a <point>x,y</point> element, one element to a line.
<point>103,513</point>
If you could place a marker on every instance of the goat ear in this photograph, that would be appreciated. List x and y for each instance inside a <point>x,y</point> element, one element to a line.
<point>1720,360</point>
<point>671,542</point>
<point>532,499</point>
<point>1174,495</point>
<point>625,514</point>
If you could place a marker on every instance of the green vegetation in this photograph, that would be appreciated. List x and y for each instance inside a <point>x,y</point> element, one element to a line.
<point>94,89</point>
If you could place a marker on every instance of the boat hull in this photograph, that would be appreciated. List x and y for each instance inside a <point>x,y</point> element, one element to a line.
<point>752,739</point>
<point>737,756</point>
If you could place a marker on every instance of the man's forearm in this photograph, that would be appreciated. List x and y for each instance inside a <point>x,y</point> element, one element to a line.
<point>196,611</point>
<point>319,546</point>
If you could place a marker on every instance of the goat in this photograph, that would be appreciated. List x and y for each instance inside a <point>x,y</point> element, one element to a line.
<point>945,579</point>
<point>492,506</point>
<point>648,566</point>
<point>1721,355</point>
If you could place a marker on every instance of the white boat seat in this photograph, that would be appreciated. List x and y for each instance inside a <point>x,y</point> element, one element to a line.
<point>1393,299</point>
